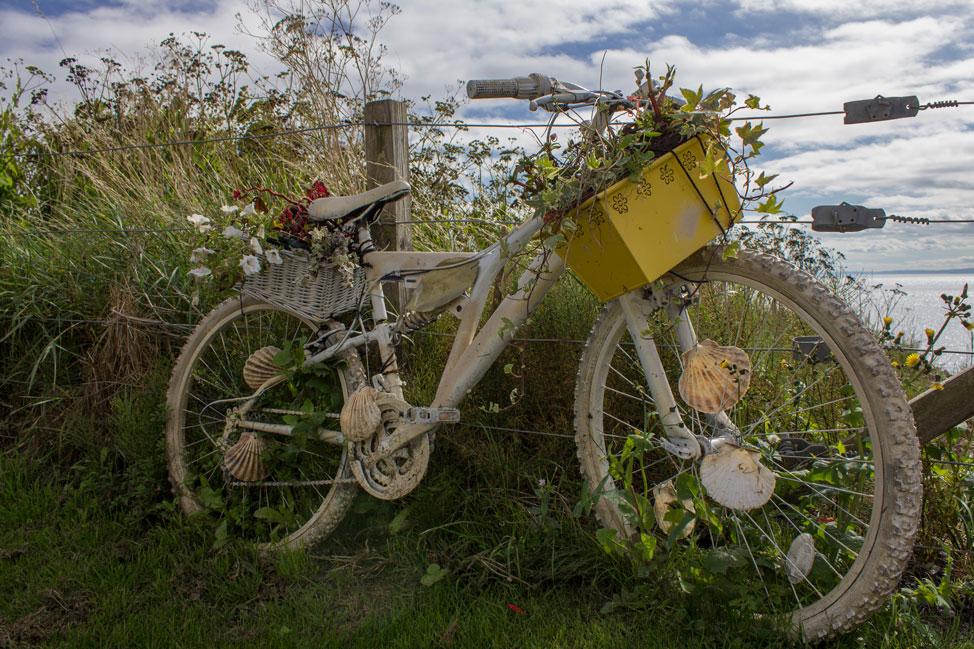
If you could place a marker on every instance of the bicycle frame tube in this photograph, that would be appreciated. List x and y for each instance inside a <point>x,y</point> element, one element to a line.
<point>473,351</point>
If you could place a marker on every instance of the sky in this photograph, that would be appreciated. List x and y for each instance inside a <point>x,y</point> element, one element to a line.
<point>797,55</point>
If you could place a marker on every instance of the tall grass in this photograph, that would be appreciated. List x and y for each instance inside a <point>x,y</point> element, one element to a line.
<point>91,323</point>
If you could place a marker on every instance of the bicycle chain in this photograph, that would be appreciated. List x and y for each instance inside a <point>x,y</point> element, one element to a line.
<point>295,483</point>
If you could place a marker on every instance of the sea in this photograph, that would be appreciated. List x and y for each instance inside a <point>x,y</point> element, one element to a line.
<point>913,300</point>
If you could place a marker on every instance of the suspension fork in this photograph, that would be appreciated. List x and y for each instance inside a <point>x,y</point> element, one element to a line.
<point>638,309</point>
<point>720,426</point>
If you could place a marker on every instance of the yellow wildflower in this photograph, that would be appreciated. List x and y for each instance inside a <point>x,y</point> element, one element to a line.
<point>937,386</point>
<point>887,321</point>
<point>912,360</point>
<point>895,364</point>
<point>929,332</point>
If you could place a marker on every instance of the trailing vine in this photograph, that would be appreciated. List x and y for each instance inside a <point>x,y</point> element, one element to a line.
<point>557,180</point>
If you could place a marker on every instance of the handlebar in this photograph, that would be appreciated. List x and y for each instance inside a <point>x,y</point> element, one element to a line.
<point>529,87</point>
<point>542,90</point>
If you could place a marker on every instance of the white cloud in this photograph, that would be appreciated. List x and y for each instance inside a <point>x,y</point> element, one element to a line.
<point>835,52</point>
<point>844,10</point>
<point>914,167</point>
<point>435,43</point>
<point>129,33</point>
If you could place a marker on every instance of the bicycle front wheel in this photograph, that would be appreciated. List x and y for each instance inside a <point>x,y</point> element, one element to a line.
<point>276,491</point>
<point>824,413</point>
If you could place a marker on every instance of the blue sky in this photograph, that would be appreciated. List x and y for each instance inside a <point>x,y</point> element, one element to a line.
<point>798,55</point>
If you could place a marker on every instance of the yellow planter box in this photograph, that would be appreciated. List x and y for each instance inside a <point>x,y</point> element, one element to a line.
<point>632,233</point>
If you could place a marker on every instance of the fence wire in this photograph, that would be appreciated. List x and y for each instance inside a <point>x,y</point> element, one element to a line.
<point>136,321</point>
<point>459,125</point>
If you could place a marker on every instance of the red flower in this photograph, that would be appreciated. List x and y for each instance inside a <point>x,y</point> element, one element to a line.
<point>318,190</point>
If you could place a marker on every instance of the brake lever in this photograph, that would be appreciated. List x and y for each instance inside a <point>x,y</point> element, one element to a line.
<point>563,98</point>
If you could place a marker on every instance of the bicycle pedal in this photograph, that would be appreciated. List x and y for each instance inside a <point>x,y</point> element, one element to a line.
<point>422,415</point>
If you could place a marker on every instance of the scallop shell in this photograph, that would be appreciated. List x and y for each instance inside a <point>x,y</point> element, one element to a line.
<point>260,366</point>
<point>361,414</point>
<point>243,460</point>
<point>801,556</point>
<point>663,496</point>
<point>736,479</point>
<point>714,377</point>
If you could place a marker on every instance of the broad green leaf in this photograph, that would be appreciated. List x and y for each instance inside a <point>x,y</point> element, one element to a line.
<point>434,573</point>
<point>687,486</point>
<point>270,514</point>
<point>720,560</point>
<point>397,523</point>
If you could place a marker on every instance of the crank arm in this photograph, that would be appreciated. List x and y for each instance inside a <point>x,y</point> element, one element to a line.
<point>423,415</point>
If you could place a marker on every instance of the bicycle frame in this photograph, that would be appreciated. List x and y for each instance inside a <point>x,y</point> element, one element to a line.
<point>474,351</point>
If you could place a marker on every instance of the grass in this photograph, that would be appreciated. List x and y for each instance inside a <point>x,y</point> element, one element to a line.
<point>77,572</point>
<point>93,551</point>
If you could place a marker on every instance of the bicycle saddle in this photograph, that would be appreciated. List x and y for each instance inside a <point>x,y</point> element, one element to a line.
<point>344,207</point>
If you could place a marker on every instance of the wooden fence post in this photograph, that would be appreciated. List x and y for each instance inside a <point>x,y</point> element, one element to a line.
<point>937,411</point>
<point>387,159</point>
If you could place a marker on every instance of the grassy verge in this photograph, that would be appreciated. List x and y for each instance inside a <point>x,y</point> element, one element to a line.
<point>93,551</point>
<point>76,571</point>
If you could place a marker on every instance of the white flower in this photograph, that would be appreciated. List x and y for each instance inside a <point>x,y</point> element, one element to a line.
<point>261,233</point>
<point>273,256</point>
<point>199,255</point>
<point>200,273</point>
<point>233,232</point>
<point>199,221</point>
<point>206,228</point>
<point>230,209</point>
<point>250,265</point>
<point>247,211</point>
<point>255,246</point>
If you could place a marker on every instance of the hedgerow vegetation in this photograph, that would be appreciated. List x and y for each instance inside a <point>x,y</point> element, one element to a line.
<point>489,551</point>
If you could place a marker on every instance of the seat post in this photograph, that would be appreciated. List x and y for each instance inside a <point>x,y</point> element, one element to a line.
<point>366,245</point>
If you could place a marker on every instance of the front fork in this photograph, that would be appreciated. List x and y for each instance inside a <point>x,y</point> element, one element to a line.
<point>638,306</point>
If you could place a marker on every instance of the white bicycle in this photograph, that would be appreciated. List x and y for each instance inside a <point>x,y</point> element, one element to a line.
<point>789,464</point>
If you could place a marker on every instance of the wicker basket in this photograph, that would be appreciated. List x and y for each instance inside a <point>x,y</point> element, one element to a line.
<point>289,285</point>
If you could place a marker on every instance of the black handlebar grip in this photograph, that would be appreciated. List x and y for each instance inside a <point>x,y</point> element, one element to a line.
<point>517,88</point>
<point>492,88</point>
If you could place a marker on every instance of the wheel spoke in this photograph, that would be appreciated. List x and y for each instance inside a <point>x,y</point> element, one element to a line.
<point>830,491</point>
<point>300,471</point>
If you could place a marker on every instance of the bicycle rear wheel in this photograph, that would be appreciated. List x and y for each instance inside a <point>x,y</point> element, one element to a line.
<point>278,492</point>
<point>830,544</point>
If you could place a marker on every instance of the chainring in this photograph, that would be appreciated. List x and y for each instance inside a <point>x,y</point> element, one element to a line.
<point>395,476</point>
